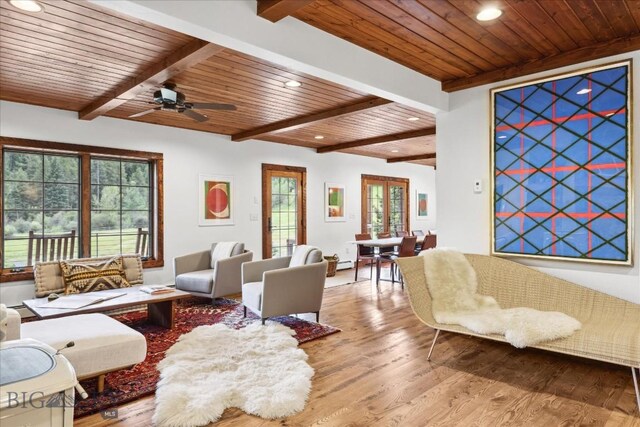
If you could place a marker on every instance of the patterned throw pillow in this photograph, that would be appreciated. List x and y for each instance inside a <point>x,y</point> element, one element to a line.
<point>85,277</point>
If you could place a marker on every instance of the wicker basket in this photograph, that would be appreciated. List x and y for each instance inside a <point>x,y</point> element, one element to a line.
<point>333,263</point>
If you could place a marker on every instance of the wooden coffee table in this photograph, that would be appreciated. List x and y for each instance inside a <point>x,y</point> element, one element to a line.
<point>161,308</point>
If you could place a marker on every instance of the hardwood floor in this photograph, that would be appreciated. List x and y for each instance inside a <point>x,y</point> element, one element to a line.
<point>375,373</point>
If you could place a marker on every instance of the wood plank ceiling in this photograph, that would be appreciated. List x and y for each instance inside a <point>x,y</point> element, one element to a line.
<point>81,57</point>
<point>443,39</point>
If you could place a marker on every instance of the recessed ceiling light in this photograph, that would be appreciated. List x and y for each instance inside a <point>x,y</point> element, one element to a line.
<point>488,14</point>
<point>293,83</point>
<point>502,137</point>
<point>610,114</point>
<point>27,5</point>
<point>583,91</point>
<point>394,151</point>
<point>413,119</point>
<point>319,137</point>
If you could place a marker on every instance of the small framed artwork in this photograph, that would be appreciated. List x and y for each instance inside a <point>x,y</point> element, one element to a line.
<point>422,203</point>
<point>334,209</point>
<point>215,200</point>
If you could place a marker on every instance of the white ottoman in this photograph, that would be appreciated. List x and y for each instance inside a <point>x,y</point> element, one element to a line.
<point>102,344</point>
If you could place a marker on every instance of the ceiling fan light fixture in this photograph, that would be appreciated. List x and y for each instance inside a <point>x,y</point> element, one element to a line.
<point>489,14</point>
<point>27,5</point>
<point>293,83</point>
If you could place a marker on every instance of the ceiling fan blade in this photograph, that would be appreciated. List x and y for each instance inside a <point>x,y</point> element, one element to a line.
<point>212,106</point>
<point>195,116</point>
<point>144,113</point>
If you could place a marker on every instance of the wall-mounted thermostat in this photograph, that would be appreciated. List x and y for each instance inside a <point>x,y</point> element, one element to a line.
<point>477,186</point>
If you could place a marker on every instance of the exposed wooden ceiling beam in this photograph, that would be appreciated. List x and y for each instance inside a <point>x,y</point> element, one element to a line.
<point>378,140</point>
<point>412,158</point>
<point>300,121</point>
<point>155,75</point>
<point>275,10</point>
<point>601,50</point>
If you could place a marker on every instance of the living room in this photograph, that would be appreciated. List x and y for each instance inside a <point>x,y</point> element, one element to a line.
<point>369,341</point>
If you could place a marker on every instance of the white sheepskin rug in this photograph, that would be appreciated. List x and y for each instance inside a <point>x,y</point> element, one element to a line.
<point>259,369</point>
<point>453,287</point>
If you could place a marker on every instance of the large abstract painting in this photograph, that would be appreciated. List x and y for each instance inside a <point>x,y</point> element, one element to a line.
<point>561,167</point>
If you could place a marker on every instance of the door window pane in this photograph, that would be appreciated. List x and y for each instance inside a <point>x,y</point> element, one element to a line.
<point>375,209</point>
<point>397,206</point>
<point>284,215</point>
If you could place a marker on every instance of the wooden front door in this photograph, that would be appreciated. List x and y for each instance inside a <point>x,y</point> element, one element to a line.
<point>385,204</point>
<point>283,209</point>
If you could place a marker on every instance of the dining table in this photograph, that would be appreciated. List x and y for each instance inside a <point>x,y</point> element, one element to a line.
<point>383,243</point>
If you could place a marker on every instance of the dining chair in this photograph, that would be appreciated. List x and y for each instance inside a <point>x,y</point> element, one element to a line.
<point>418,233</point>
<point>429,242</point>
<point>407,249</point>
<point>402,233</point>
<point>365,253</point>
<point>384,250</point>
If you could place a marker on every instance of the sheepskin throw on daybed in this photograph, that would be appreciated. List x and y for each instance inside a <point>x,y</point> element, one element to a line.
<point>453,287</point>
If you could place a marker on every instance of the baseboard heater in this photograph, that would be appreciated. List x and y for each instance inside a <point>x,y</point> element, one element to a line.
<point>344,265</point>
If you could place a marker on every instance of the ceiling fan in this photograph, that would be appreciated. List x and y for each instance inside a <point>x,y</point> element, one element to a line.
<point>169,99</point>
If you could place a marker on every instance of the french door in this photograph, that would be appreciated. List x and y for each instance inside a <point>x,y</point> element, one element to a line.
<point>283,209</point>
<point>385,204</point>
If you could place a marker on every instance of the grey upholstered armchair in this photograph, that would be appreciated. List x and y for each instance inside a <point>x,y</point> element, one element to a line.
<point>206,274</point>
<point>280,286</point>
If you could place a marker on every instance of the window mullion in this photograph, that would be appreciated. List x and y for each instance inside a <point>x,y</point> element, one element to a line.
<point>85,205</point>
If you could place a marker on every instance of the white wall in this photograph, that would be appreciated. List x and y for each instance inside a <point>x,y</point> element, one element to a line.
<point>188,153</point>
<point>464,217</point>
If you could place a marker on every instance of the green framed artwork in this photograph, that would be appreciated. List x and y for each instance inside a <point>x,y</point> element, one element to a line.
<point>422,204</point>
<point>334,208</point>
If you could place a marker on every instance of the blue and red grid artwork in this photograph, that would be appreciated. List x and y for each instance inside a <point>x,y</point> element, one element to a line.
<point>561,165</point>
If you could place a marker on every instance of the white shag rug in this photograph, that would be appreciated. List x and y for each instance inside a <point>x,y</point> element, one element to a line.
<point>259,369</point>
<point>453,287</point>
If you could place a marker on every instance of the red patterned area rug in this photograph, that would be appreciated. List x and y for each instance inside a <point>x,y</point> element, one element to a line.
<point>129,384</point>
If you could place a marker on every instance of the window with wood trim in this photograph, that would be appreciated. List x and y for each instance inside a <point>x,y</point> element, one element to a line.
<point>385,205</point>
<point>62,201</point>
<point>121,206</point>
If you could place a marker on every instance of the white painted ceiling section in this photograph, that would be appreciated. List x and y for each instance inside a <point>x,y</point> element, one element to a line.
<point>291,43</point>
